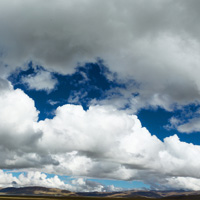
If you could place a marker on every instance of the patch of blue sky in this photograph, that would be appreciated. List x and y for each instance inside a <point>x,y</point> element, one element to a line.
<point>156,120</point>
<point>92,81</point>
<point>13,172</point>
<point>16,173</point>
<point>88,82</point>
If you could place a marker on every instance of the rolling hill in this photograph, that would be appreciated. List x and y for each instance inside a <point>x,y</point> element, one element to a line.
<point>131,194</point>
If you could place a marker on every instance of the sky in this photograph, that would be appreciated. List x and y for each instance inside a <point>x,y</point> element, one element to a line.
<point>100,95</point>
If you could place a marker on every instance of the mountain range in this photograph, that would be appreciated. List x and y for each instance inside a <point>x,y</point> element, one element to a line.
<point>133,194</point>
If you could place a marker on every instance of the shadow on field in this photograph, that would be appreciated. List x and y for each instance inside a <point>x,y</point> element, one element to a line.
<point>190,197</point>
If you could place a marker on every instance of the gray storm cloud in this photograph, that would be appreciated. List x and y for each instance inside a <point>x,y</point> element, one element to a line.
<point>157,45</point>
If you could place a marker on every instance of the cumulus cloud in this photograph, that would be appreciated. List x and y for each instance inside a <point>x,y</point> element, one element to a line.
<point>101,142</point>
<point>31,179</point>
<point>36,178</point>
<point>85,185</point>
<point>189,127</point>
<point>186,123</point>
<point>186,183</point>
<point>110,143</point>
<point>42,80</point>
<point>18,115</point>
<point>18,136</point>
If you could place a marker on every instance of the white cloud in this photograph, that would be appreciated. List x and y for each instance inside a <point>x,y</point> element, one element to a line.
<point>18,135</point>
<point>17,119</point>
<point>40,179</point>
<point>36,178</point>
<point>6,179</point>
<point>101,142</point>
<point>85,185</point>
<point>42,80</point>
<point>187,183</point>
<point>107,143</point>
<point>191,126</point>
<point>188,125</point>
<point>52,103</point>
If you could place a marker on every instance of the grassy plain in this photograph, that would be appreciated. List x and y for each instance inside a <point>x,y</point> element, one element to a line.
<point>68,198</point>
<point>192,197</point>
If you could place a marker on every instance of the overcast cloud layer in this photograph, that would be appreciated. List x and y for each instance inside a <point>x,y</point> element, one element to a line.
<point>156,44</point>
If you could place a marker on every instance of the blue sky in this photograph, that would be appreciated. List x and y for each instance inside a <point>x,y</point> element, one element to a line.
<point>82,89</point>
<point>100,95</point>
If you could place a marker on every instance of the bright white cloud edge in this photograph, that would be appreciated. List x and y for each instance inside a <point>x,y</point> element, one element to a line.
<point>101,142</point>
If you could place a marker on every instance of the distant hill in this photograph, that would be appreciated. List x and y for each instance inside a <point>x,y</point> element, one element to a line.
<point>131,194</point>
<point>157,194</point>
<point>124,194</point>
<point>35,191</point>
<point>142,193</point>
